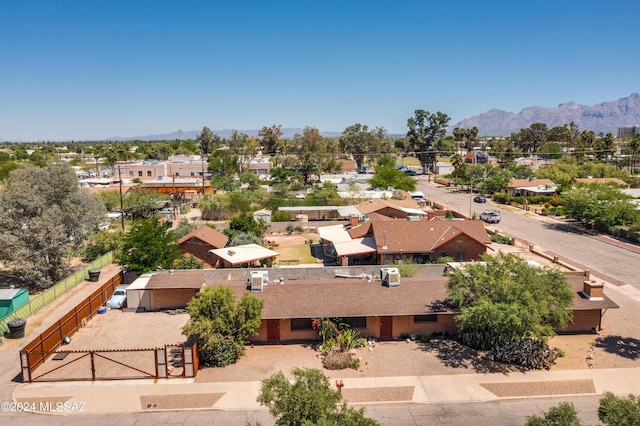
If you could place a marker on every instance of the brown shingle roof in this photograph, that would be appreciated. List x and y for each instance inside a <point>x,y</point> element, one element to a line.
<point>406,236</point>
<point>379,203</point>
<point>517,183</point>
<point>208,236</point>
<point>347,297</point>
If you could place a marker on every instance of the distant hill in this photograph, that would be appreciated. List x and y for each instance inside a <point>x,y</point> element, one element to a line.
<point>604,117</point>
<point>287,133</point>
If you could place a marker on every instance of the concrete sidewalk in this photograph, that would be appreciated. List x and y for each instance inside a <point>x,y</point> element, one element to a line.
<point>183,394</point>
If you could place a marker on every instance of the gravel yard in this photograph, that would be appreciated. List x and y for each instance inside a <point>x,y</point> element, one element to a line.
<point>115,330</point>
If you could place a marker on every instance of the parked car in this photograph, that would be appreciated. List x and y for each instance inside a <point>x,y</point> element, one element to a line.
<point>410,172</point>
<point>490,216</point>
<point>119,298</point>
<point>479,199</point>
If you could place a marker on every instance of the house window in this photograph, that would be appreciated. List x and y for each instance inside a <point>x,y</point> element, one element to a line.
<point>177,173</point>
<point>460,256</point>
<point>301,324</point>
<point>130,173</point>
<point>425,318</point>
<point>356,322</point>
<point>140,173</point>
<point>149,173</point>
<point>193,174</point>
<point>445,254</point>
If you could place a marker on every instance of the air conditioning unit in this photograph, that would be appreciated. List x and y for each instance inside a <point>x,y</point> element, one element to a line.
<point>390,277</point>
<point>258,280</point>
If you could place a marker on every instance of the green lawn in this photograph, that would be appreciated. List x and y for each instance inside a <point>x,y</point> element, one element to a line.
<point>301,253</point>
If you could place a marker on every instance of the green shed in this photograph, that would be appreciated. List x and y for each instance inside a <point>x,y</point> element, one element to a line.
<point>11,299</point>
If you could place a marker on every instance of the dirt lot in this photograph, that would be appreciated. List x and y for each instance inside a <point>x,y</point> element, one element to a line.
<point>115,330</point>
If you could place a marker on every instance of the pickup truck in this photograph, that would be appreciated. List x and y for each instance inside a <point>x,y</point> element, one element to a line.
<point>490,216</point>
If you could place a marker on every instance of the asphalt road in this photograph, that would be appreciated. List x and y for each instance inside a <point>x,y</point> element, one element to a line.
<point>617,265</point>
<point>502,413</point>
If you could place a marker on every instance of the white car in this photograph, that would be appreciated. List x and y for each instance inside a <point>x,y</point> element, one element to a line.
<point>118,299</point>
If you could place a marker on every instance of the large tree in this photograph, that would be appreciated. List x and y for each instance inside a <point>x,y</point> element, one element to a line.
<point>390,177</point>
<point>505,298</point>
<point>221,324</point>
<point>309,400</point>
<point>360,142</point>
<point>43,214</point>
<point>148,246</point>
<point>600,206</point>
<point>425,129</point>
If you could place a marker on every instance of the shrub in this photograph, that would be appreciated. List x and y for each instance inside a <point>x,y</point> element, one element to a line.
<point>501,197</point>
<point>407,267</point>
<point>529,353</point>
<point>501,239</point>
<point>350,339</point>
<point>279,216</point>
<point>336,360</point>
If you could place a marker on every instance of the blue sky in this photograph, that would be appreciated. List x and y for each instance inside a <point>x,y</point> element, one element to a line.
<point>94,69</point>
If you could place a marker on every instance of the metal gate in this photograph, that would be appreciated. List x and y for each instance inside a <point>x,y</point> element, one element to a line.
<point>116,364</point>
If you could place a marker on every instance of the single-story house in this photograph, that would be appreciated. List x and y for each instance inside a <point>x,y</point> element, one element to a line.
<point>244,256</point>
<point>531,187</point>
<point>381,240</point>
<point>11,299</point>
<point>391,208</point>
<point>415,305</point>
<point>201,241</point>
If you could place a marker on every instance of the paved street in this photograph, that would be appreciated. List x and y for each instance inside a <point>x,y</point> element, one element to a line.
<point>618,265</point>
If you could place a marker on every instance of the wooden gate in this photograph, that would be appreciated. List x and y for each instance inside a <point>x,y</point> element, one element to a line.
<point>117,364</point>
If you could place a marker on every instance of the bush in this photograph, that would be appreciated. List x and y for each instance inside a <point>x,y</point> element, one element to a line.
<point>501,239</point>
<point>336,360</point>
<point>529,353</point>
<point>501,197</point>
<point>407,268</point>
<point>279,216</point>
<point>563,414</point>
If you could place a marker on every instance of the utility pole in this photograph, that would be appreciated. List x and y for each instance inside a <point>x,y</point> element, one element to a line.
<point>121,205</point>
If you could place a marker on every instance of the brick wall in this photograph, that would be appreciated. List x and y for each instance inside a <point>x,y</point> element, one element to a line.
<point>172,298</point>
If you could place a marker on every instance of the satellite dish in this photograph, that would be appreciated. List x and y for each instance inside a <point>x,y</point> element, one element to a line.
<point>66,340</point>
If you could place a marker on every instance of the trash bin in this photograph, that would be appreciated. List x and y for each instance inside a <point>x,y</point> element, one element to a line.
<point>16,328</point>
<point>94,275</point>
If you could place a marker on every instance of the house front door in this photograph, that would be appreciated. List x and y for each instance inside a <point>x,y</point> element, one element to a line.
<point>386,327</point>
<point>273,331</point>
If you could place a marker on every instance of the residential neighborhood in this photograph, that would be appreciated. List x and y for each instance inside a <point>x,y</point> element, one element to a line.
<point>320,213</point>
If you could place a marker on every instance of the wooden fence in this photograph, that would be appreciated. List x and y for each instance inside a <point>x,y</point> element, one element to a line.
<point>52,293</point>
<point>34,353</point>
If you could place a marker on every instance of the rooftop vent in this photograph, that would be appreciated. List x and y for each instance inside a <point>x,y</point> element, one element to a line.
<point>390,277</point>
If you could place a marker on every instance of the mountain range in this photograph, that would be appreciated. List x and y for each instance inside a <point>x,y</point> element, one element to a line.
<point>604,117</point>
<point>287,133</point>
